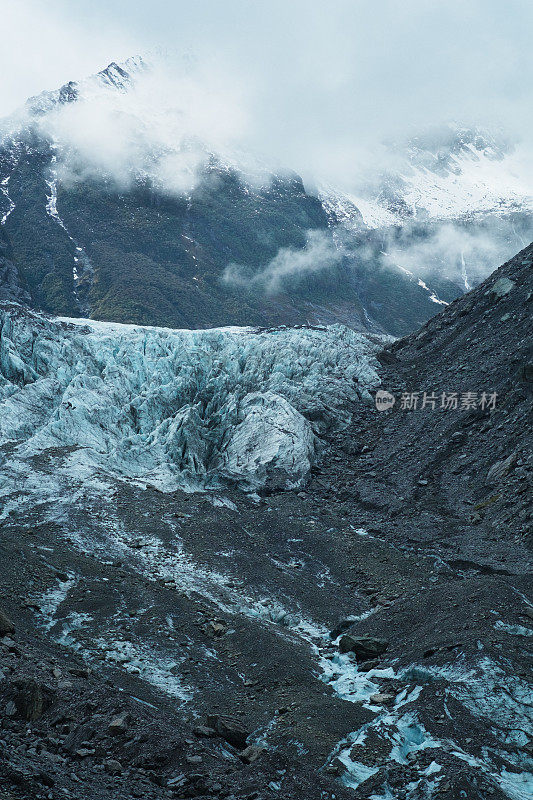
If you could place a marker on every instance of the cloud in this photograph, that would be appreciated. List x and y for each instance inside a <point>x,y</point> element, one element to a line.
<point>319,85</point>
<point>164,128</point>
<point>288,266</point>
<point>464,254</point>
<point>45,44</point>
<point>461,253</point>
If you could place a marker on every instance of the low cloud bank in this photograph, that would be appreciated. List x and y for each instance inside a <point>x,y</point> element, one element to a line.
<point>461,253</point>
<point>290,264</point>
<point>464,254</point>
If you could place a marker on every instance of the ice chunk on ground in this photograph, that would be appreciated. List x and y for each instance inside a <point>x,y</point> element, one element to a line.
<point>272,446</point>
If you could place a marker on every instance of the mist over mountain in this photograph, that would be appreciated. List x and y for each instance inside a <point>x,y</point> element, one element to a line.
<point>152,211</point>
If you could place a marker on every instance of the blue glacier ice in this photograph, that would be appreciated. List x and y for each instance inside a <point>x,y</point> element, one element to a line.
<point>178,408</point>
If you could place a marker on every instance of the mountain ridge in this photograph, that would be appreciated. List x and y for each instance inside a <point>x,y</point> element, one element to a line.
<point>77,243</point>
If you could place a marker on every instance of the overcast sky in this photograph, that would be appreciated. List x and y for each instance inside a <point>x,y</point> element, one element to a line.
<point>313,76</point>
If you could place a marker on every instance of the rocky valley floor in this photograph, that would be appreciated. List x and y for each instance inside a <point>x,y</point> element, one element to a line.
<point>354,622</point>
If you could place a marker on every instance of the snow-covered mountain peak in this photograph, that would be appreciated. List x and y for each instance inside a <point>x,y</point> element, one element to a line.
<point>438,148</point>
<point>121,76</point>
<point>117,77</point>
<point>444,173</point>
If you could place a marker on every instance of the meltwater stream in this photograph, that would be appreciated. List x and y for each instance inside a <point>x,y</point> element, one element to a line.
<point>397,725</point>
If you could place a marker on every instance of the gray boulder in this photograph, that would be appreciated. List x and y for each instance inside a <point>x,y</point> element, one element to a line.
<point>229,729</point>
<point>6,626</point>
<point>364,647</point>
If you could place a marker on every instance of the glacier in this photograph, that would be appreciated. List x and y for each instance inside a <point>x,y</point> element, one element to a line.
<point>190,409</point>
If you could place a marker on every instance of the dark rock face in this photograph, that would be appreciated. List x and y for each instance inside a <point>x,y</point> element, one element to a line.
<point>11,287</point>
<point>230,729</point>
<point>154,260</point>
<point>6,626</point>
<point>364,647</point>
<point>32,699</point>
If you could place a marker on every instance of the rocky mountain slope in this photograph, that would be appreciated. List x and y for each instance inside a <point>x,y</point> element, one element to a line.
<point>363,635</point>
<point>81,236</point>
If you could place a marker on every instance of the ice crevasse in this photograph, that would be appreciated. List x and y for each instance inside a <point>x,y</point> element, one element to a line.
<point>179,408</point>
